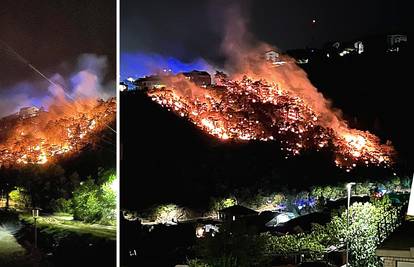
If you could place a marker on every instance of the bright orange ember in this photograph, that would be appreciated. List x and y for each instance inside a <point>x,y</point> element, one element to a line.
<point>42,137</point>
<point>248,109</point>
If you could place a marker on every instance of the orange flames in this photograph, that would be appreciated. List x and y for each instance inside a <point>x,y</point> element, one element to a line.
<point>256,109</point>
<point>42,137</point>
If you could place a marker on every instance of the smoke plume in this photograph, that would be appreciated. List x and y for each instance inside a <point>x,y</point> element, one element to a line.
<point>245,56</point>
<point>84,81</point>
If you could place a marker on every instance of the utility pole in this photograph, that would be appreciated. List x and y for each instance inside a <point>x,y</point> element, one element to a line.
<point>348,187</point>
<point>35,214</point>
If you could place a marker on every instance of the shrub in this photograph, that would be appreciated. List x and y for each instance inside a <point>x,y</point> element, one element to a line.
<point>217,204</point>
<point>86,206</point>
<point>364,221</point>
<point>19,197</point>
<point>62,205</point>
<point>96,203</point>
<point>197,263</point>
<point>235,245</point>
<point>168,213</point>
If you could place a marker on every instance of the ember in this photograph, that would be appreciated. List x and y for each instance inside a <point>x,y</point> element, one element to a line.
<point>40,137</point>
<point>248,109</point>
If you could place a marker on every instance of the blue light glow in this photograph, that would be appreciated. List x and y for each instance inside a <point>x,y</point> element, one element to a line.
<point>138,65</point>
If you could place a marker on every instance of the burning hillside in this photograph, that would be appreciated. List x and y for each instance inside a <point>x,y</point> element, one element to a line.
<point>39,137</point>
<point>256,109</point>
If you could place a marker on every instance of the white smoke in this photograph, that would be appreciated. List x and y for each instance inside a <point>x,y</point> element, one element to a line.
<point>86,80</point>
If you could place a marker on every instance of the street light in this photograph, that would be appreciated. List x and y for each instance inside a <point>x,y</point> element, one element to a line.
<point>35,214</point>
<point>348,187</point>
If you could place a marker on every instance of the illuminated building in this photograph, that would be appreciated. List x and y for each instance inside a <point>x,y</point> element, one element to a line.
<point>149,82</point>
<point>200,78</point>
<point>235,212</point>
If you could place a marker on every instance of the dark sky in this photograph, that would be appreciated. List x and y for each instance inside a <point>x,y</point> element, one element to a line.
<point>50,32</point>
<point>191,29</point>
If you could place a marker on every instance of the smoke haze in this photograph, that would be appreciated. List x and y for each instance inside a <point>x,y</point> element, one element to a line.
<point>84,80</point>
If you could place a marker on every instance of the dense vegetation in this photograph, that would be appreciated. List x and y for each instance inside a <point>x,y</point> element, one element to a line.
<point>239,246</point>
<point>298,202</point>
<point>49,188</point>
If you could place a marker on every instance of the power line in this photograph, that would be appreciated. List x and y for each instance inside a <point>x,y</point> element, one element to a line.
<point>13,52</point>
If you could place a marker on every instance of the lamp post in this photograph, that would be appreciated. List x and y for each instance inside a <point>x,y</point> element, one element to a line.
<point>35,214</point>
<point>348,188</point>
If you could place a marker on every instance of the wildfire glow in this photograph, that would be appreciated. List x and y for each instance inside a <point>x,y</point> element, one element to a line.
<point>248,109</point>
<point>42,137</point>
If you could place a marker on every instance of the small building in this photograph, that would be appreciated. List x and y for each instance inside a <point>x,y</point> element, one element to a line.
<point>395,42</point>
<point>149,82</point>
<point>359,47</point>
<point>272,56</point>
<point>122,87</point>
<point>28,112</point>
<point>398,249</point>
<point>235,212</point>
<point>200,78</point>
<point>127,84</point>
<point>396,39</point>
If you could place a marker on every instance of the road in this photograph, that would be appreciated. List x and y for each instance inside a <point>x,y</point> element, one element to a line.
<point>65,223</point>
<point>11,252</point>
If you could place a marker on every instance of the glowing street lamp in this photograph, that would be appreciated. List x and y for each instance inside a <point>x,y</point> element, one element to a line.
<point>35,214</point>
<point>348,188</point>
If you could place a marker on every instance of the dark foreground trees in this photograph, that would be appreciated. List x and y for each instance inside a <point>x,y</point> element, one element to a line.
<point>240,245</point>
<point>52,189</point>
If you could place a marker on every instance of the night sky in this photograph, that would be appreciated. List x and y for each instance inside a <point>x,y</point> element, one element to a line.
<point>192,29</point>
<point>52,32</point>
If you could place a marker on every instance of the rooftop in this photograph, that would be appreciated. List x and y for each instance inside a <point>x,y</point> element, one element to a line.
<point>195,72</point>
<point>237,209</point>
<point>400,243</point>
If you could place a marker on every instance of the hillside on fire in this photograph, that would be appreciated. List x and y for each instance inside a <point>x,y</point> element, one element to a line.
<point>65,135</point>
<point>36,136</point>
<point>60,162</point>
<point>189,160</point>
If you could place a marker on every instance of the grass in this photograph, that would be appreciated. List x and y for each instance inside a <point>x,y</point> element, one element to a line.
<point>9,245</point>
<point>11,252</point>
<point>64,222</point>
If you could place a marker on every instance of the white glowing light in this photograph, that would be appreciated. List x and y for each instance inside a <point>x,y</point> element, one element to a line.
<point>411,203</point>
<point>122,87</point>
<point>42,159</point>
<point>200,232</point>
<point>115,185</point>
